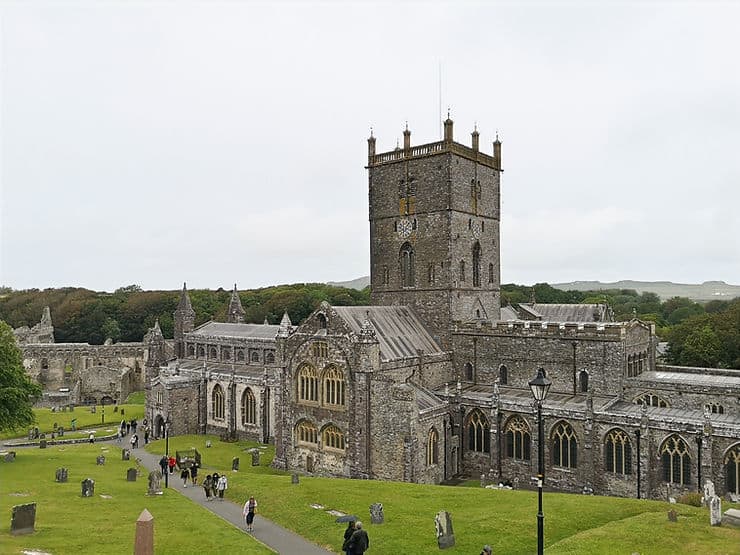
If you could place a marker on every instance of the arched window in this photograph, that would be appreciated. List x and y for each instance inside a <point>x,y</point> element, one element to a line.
<point>432,447</point>
<point>201,351</point>
<point>226,354</point>
<point>240,355</point>
<point>503,375</point>
<point>308,384</point>
<point>518,439</point>
<point>430,273</point>
<point>476,264</point>
<point>306,432</point>
<point>322,321</point>
<point>651,400</point>
<point>732,470</point>
<point>564,446</point>
<point>583,381</point>
<point>212,353</point>
<point>468,372</point>
<point>333,386</point>
<point>618,453</point>
<point>478,432</point>
<point>462,271</point>
<point>217,400</point>
<point>249,408</point>
<point>333,438</point>
<point>386,276</point>
<point>254,355</point>
<point>320,349</point>
<point>270,357</point>
<point>191,351</point>
<point>406,257</point>
<point>490,272</point>
<point>674,455</point>
<point>714,408</point>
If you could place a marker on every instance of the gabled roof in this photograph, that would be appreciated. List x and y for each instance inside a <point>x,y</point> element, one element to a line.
<point>240,331</point>
<point>571,312</point>
<point>399,332</point>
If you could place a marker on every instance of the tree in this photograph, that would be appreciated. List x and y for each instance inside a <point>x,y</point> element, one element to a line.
<point>17,391</point>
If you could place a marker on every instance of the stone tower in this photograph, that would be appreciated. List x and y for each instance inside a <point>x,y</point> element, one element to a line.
<point>184,321</point>
<point>236,310</point>
<point>434,230</point>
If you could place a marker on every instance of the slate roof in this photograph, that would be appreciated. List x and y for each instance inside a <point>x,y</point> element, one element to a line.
<point>570,312</point>
<point>508,314</point>
<point>399,332</point>
<point>663,377</point>
<point>427,400</point>
<point>239,331</point>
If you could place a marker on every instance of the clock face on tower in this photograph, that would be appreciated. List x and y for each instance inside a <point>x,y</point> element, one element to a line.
<point>404,228</point>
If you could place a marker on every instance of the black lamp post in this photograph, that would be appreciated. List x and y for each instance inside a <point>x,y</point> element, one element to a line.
<point>167,451</point>
<point>540,385</point>
<point>102,413</point>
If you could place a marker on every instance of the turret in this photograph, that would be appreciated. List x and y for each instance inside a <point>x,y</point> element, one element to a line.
<point>184,321</point>
<point>475,138</point>
<point>406,140</point>
<point>370,147</point>
<point>497,153</point>
<point>448,129</point>
<point>236,311</point>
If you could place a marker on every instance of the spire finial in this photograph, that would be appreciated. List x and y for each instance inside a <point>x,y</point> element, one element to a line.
<point>448,112</point>
<point>475,126</point>
<point>407,125</point>
<point>371,132</point>
<point>496,134</point>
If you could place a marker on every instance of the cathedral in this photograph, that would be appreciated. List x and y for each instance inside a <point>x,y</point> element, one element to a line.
<point>430,383</point>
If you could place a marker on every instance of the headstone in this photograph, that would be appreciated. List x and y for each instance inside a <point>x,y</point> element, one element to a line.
<point>483,481</point>
<point>42,436</point>
<point>715,511</point>
<point>208,444</point>
<point>672,500</point>
<point>732,517</point>
<point>115,408</point>
<point>235,464</point>
<point>672,515</point>
<point>88,487</point>
<point>144,543</point>
<point>376,513</point>
<point>60,431</point>
<point>734,497</point>
<point>55,426</point>
<point>36,432</point>
<point>23,519</point>
<point>71,408</point>
<point>74,424</point>
<point>100,460</point>
<point>255,457</point>
<point>61,475</point>
<point>125,454</point>
<point>53,409</point>
<point>294,479</point>
<point>9,456</point>
<point>42,444</point>
<point>155,483</point>
<point>122,412</point>
<point>31,434</point>
<point>93,409</point>
<point>131,475</point>
<point>445,534</point>
<point>708,492</point>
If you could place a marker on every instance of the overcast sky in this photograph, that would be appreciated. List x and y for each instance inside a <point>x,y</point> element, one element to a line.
<point>213,143</point>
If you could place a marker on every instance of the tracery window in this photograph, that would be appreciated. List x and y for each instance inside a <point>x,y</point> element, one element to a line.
<point>333,386</point>
<point>431,273</point>
<point>732,470</point>
<point>306,432</point>
<point>476,264</point>
<point>432,447</point>
<point>478,432</point>
<point>254,355</point>
<point>618,453</point>
<point>212,353</point>
<point>674,455</point>
<point>714,408</point>
<point>503,375</point>
<point>160,397</point>
<point>226,354</point>
<point>240,355</point>
<point>518,439</point>
<point>308,384</point>
<point>217,401</point>
<point>564,446</point>
<point>320,349</point>
<point>406,258</point>
<point>249,408</point>
<point>651,400</point>
<point>269,357</point>
<point>333,438</point>
<point>201,351</point>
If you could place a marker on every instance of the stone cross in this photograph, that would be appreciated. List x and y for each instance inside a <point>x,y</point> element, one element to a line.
<point>88,487</point>
<point>131,475</point>
<point>155,483</point>
<point>144,543</point>
<point>715,511</point>
<point>61,475</point>
<point>445,534</point>
<point>376,513</point>
<point>23,519</point>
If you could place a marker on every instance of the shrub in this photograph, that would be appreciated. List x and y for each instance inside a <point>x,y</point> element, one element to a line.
<point>694,499</point>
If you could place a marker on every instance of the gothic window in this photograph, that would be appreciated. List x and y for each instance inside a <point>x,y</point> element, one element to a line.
<point>240,355</point>
<point>322,321</point>
<point>618,453</point>
<point>320,349</point>
<point>386,275</point>
<point>714,408</point>
<point>249,408</point>
<point>518,439</point>
<point>478,432</point>
<point>462,271</point>
<point>201,351</point>
<point>564,446</point>
<point>432,447</point>
<point>490,272</point>
<point>306,432</point>
<point>674,455</point>
<point>503,375</point>
<point>226,354</point>
<point>212,352</point>
<point>254,355</point>
<point>732,469</point>
<point>407,265</point>
<point>191,351</point>
<point>333,438</point>
<point>308,384</point>
<point>468,372</point>
<point>270,357</point>
<point>476,264</point>
<point>160,397</point>
<point>583,381</point>
<point>651,400</point>
<point>333,386</point>
<point>217,400</point>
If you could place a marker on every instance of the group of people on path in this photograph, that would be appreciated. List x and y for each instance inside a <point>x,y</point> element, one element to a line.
<point>128,426</point>
<point>215,486</point>
<point>356,540</point>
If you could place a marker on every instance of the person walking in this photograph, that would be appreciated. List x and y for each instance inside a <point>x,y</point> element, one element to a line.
<point>347,535</point>
<point>194,472</point>
<point>146,436</point>
<point>163,464</point>
<point>214,484</point>
<point>208,486</point>
<point>134,441</point>
<point>171,462</point>
<point>222,486</point>
<point>91,437</point>
<point>184,474</point>
<point>359,542</point>
<point>250,507</point>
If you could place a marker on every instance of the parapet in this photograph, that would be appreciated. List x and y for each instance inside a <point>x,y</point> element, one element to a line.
<point>613,331</point>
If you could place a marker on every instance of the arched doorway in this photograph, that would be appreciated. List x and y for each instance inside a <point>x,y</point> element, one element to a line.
<point>159,426</point>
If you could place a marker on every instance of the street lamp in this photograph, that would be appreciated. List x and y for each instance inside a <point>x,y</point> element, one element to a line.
<point>540,385</point>
<point>167,450</point>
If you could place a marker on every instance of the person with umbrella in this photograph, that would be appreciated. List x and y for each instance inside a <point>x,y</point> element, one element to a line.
<point>347,535</point>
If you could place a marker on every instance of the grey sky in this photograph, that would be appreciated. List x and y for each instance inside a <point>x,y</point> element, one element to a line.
<point>216,143</point>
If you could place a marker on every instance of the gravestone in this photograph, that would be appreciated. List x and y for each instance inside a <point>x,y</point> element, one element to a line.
<point>731,517</point>
<point>9,456</point>
<point>445,534</point>
<point>61,475</point>
<point>235,464</point>
<point>42,444</point>
<point>155,483</point>
<point>31,434</point>
<point>131,475</point>
<point>55,425</point>
<point>93,409</point>
<point>672,516</point>
<point>23,519</point>
<point>100,460</point>
<point>376,513</point>
<point>60,431</point>
<point>208,444</point>
<point>255,457</point>
<point>708,492</point>
<point>125,454</point>
<point>115,408</point>
<point>36,433</point>
<point>144,542</point>
<point>715,511</point>
<point>71,407</point>
<point>74,424</point>
<point>42,436</point>
<point>294,479</point>
<point>483,481</point>
<point>88,487</point>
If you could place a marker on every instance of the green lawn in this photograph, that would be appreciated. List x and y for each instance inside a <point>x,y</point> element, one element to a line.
<point>136,398</point>
<point>69,523</point>
<point>505,519</point>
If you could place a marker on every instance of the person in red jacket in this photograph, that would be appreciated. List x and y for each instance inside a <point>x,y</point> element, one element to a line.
<point>171,463</point>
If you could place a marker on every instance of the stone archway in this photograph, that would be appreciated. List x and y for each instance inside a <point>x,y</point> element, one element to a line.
<point>159,426</point>
<point>107,400</point>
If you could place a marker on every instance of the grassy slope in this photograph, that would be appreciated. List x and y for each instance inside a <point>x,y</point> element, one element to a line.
<point>68,523</point>
<point>505,519</point>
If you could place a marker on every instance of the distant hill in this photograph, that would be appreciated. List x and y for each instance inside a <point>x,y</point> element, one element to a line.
<point>360,283</point>
<point>707,291</point>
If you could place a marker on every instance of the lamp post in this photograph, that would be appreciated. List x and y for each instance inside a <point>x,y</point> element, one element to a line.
<point>540,385</point>
<point>102,413</point>
<point>167,451</point>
